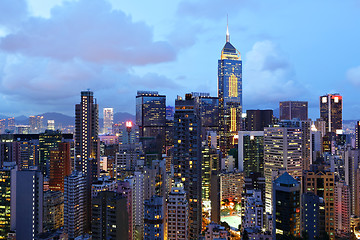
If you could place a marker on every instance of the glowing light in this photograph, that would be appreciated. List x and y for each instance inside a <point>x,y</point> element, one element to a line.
<point>129,124</point>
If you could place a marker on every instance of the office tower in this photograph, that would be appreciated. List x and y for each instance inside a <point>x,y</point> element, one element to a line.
<point>109,216</point>
<point>154,218</point>
<point>282,150</point>
<point>108,119</point>
<point>86,131</point>
<point>215,196</point>
<point>257,120</point>
<point>28,154</point>
<point>342,209</point>
<point>29,204</point>
<point>286,212</point>
<point>254,211</point>
<point>7,200</point>
<point>306,142</point>
<point>290,110</point>
<point>210,163</point>
<point>151,119</point>
<point>322,184</point>
<point>53,210</point>
<point>215,231</point>
<point>207,108</point>
<point>331,112</point>
<point>187,157</point>
<point>177,213</point>
<point>50,125</point>
<point>231,186</point>
<point>48,141</point>
<point>251,152</point>
<point>311,215</point>
<point>60,166</point>
<point>230,94</point>
<point>75,204</point>
<point>8,152</point>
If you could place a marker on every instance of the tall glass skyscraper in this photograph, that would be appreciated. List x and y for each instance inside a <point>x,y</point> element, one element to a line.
<point>229,93</point>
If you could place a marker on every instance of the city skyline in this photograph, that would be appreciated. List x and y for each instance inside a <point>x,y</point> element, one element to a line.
<point>292,57</point>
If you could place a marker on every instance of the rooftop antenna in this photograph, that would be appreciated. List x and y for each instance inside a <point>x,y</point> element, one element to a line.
<point>227,29</point>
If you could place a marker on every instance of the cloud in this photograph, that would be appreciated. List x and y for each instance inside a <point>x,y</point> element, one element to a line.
<point>12,12</point>
<point>269,77</point>
<point>91,31</point>
<point>353,76</point>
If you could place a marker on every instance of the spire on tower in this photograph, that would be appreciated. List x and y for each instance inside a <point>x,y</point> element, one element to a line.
<point>227,29</point>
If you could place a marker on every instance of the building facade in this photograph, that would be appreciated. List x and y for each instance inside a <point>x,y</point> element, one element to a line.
<point>331,112</point>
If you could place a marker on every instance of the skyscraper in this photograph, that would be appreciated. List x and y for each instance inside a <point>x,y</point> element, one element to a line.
<point>331,112</point>
<point>151,119</point>
<point>29,203</point>
<point>286,213</point>
<point>177,213</point>
<point>256,120</point>
<point>108,119</point>
<point>293,109</point>
<point>74,204</point>
<point>229,93</point>
<point>86,130</point>
<point>251,152</point>
<point>282,150</point>
<point>187,157</point>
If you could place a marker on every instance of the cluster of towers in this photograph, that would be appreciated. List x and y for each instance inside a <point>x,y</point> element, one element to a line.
<point>201,169</point>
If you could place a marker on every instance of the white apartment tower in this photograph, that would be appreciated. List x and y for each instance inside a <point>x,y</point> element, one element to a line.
<point>177,213</point>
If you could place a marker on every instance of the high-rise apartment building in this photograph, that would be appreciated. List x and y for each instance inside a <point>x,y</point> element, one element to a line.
<point>312,207</point>
<point>342,209</point>
<point>75,217</point>
<point>254,211</point>
<point>151,119</point>
<point>187,158</point>
<point>230,94</point>
<point>282,150</point>
<point>53,210</point>
<point>331,112</point>
<point>251,152</point>
<point>154,218</point>
<point>257,120</point>
<point>109,216</point>
<point>293,109</point>
<point>108,119</point>
<point>177,213</point>
<point>86,131</point>
<point>286,212</point>
<point>36,123</point>
<point>29,203</point>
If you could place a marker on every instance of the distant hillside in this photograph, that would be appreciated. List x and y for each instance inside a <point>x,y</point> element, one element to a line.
<point>65,120</point>
<point>123,116</point>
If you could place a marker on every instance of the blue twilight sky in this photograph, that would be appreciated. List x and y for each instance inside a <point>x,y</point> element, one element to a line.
<point>291,50</point>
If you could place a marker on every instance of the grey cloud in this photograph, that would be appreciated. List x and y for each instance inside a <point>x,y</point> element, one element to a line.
<point>91,31</point>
